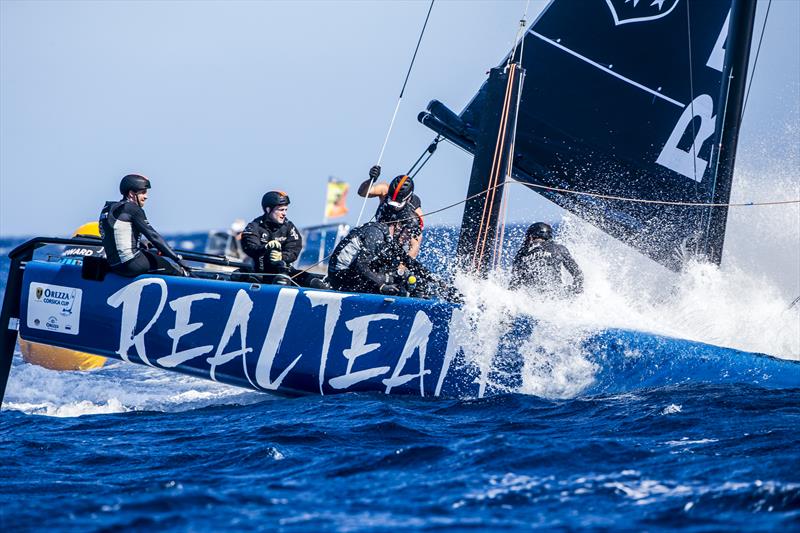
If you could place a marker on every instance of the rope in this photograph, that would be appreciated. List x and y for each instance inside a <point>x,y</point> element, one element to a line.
<point>396,109</point>
<point>609,197</point>
<point>498,253</point>
<point>755,61</point>
<point>429,150</point>
<point>657,202</point>
<point>494,177</point>
<point>517,43</point>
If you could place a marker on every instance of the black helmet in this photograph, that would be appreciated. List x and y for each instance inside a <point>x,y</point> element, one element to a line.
<point>540,230</point>
<point>400,190</point>
<point>133,182</point>
<point>274,199</point>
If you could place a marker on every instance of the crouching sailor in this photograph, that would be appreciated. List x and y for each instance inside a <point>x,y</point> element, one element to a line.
<point>271,239</point>
<point>123,223</point>
<point>538,263</point>
<point>373,258</point>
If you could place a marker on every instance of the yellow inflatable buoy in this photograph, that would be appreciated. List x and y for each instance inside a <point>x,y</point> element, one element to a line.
<point>53,357</point>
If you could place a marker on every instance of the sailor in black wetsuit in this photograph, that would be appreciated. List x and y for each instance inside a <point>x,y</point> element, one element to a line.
<point>398,195</point>
<point>123,222</point>
<point>271,239</point>
<point>538,263</point>
<point>369,260</point>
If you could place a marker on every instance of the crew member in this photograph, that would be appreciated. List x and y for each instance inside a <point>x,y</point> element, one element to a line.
<point>369,258</point>
<point>123,222</point>
<point>271,239</point>
<point>398,195</point>
<point>538,264</point>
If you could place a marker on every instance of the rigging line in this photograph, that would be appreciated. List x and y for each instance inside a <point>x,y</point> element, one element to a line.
<point>719,156</point>
<point>412,176</point>
<point>755,61</point>
<point>691,96</point>
<point>510,170</point>
<point>428,16</point>
<point>429,150</point>
<point>501,227</point>
<point>495,171</point>
<point>518,38</point>
<point>497,166</point>
<point>491,182</point>
<point>396,108</point>
<point>691,104</point>
<point>656,202</point>
<point>501,219</point>
<point>405,81</point>
<point>608,197</point>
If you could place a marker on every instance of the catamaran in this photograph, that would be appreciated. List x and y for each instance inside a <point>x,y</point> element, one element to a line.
<point>626,114</point>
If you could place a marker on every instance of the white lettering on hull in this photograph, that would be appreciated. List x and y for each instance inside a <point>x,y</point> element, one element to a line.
<point>457,321</point>
<point>417,340</point>
<point>129,298</point>
<point>333,309</point>
<point>358,347</point>
<point>237,319</point>
<point>183,308</point>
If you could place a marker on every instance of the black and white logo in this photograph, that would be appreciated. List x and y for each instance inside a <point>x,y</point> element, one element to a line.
<point>630,11</point>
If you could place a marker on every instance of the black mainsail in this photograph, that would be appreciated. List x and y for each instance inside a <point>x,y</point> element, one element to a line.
<point>637,100</point>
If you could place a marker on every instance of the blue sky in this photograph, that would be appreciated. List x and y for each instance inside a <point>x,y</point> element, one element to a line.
<point>218,102</point>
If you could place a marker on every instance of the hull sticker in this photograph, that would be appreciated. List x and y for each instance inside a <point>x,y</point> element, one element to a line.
<point>54,308</point>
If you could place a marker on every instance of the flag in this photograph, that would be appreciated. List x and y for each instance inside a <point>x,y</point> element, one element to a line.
<point>336,199</point>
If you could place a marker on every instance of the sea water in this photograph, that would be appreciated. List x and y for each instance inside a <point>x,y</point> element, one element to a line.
<point>138,448</point>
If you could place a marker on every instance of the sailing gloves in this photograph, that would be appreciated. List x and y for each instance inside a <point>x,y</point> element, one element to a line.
<point>375,172</point>
<point>274,247</point>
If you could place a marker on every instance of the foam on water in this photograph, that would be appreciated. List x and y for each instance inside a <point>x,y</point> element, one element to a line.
<point>115,388</point>
<point>745,304</point>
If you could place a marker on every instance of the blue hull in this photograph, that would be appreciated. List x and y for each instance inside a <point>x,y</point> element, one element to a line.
<point>301,341</point>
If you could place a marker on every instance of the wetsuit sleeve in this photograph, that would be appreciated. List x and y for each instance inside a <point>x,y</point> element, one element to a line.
<point>415,202</point>
<point>139,221</point>
<point>251,241</point>
<point>572,267</point>
<point>372,243</point>
<point>293,246</point>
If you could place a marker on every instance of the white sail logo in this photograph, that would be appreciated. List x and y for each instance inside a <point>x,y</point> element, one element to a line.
<point>630,11</point>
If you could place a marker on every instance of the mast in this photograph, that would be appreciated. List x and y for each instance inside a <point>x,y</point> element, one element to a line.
<point>494,144</point>
<point>732,94</point>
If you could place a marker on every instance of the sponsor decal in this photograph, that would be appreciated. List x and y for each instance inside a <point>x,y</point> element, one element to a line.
<point>54,308</point>
<point>78,251</point>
